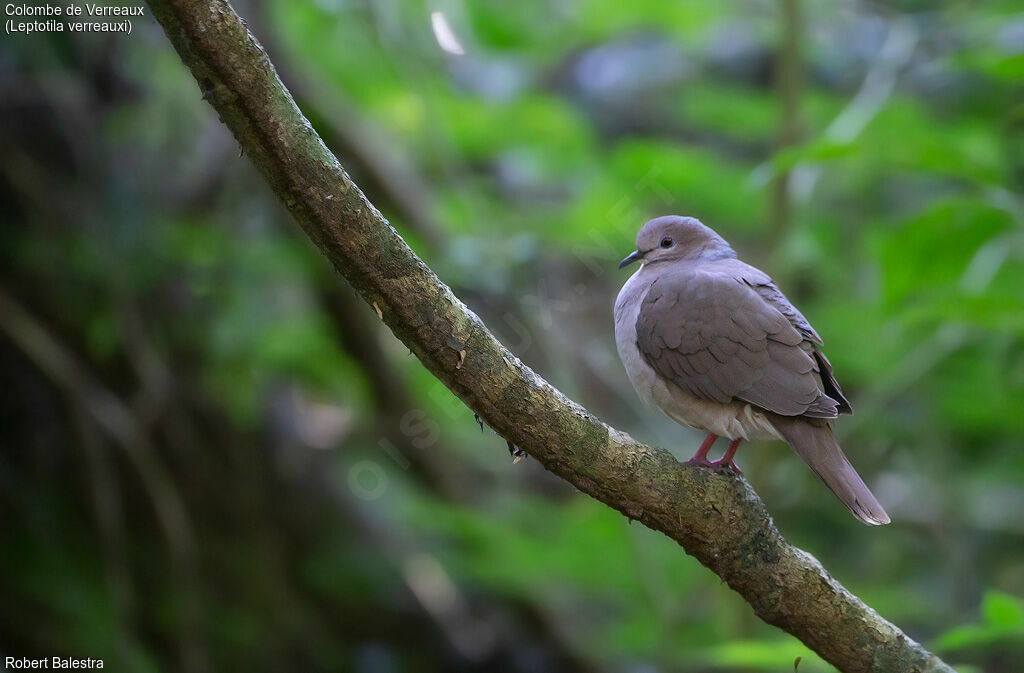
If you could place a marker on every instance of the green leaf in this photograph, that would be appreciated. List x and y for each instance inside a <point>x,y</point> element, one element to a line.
<point>1003,620</point>
<point>823,149</point>
<point>1002,610</point>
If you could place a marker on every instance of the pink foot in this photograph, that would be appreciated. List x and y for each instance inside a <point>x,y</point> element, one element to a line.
<point>726,463</point>
<point>724,466</point>
<point>700,459</point>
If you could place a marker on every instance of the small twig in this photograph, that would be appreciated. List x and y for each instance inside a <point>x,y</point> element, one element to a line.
<point>117,421</point>
<point>108,412</point>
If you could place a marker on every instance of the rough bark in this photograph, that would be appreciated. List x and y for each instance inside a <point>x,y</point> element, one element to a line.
<point>717,519</point>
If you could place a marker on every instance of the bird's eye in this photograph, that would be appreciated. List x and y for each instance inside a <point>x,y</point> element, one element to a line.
<point>667,242</point>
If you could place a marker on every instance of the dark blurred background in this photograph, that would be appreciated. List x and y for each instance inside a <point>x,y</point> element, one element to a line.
<point>214,457</point>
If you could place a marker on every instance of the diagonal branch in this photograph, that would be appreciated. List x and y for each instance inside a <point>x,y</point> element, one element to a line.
<point>717,519</point>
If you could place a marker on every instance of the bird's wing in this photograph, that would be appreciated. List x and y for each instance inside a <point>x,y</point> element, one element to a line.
<point>765,287</point>
<point>713,334</point>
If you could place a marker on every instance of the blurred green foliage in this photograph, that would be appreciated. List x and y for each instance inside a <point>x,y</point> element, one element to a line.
<point>346,512</point>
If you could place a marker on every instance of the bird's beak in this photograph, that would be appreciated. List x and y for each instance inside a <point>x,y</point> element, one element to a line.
<point>633,257</point>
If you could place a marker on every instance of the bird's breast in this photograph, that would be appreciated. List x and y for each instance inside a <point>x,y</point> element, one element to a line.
<point>627,308</point>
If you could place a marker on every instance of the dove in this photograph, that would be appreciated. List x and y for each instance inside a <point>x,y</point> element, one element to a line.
<point>714,343</point>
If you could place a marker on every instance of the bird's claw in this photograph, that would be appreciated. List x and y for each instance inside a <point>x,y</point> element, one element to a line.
<point>725,467</point>
<point>720,466</point>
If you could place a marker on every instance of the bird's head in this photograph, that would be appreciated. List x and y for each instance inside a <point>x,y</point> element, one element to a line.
<point>672,237</point>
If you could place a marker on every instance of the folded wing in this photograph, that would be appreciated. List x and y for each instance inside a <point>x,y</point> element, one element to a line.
<point>712,333</point>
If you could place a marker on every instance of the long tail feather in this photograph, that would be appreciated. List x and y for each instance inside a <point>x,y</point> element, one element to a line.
<point>819,449</point>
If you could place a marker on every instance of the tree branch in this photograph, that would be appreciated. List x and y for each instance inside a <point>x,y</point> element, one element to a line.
<point>717,519</point>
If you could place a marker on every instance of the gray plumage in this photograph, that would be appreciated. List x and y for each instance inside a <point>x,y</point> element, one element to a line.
<point>714,343</point>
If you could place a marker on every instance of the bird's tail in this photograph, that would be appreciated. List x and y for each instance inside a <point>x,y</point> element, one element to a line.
<point>819,449</point>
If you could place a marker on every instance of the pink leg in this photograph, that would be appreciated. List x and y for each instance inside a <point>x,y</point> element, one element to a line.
<point>726,461</point>
<point>700,459</point>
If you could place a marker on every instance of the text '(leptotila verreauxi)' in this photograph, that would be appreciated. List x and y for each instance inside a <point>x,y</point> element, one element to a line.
<point>715,344</point>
